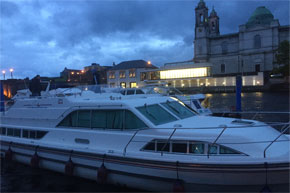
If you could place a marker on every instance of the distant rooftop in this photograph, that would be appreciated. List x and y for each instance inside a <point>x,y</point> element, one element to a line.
<point>133,64</point>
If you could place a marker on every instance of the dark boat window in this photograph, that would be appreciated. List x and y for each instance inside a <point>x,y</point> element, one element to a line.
<point>130,92</point>
<point>225,150</point>
<point>17,133</point>
<point>114,119</point>
<point>179,147</point>
<point>196,148</point>
<point>25,133</point>
<point>32,134</point>
<point>213,149</point>
<point>178,109</point>
<point>9,132</point>
<point>99,119</point>
<point>163,146</point>
<point>196,104</point>
<point>156,114</point>
<point>40,134</point>
<point>70,120</point>
<point>84,119</point>
<point>139,91</point>
<point>3,131</point>
<point>150,146</point>
<point>132,121</point>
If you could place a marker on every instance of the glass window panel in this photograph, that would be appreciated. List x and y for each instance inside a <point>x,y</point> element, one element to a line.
<point>139,91</point>
<point>25,133</point>
<point>130,92</point>
<point>70,120</point>
<point>178,109</point>
<point>225,150</point>
<point>161,146</point>
<point>99,119</point>
<point>196,104</point>
<point>9,132</point>
<point>114,119</point>
<point>3,131</point>
<point>16,132</point>
<point>40,134</point>
<point>84,119</point>
<point>196,148</point>
<point>212,149</point>
<point>32,134</point>
<point>156,114</point>
<point>132,121</point>
<point>150,146</point>
<point>179,147</point>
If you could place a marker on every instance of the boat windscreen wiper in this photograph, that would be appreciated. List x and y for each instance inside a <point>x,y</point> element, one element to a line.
<point>147,111</point>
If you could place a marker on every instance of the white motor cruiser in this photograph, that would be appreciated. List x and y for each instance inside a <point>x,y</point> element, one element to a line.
<point>152,143</point>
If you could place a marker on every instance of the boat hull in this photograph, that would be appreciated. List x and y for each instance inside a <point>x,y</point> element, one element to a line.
<point>156,175</point>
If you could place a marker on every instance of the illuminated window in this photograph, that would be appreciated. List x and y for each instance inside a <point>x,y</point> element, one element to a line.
<point>111,75</point>
<point>132,73</point>
<point>184,73</point>
<point>133,84</point>
<point>122,74</point>
<point>123,84</point>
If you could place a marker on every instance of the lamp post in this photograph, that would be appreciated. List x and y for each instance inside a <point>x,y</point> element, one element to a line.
<point>3,72</point>
<point>11,71</point>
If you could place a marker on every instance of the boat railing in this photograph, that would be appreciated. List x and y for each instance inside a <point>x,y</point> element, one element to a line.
<point>284,128</point>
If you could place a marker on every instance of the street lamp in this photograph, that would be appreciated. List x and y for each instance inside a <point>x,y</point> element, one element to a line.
<point>11,70</point>
<point>3,72</point>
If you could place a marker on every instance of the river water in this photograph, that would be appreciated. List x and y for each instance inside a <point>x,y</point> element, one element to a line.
<point>16,177</point>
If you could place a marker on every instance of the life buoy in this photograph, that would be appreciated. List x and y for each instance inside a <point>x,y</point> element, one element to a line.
<point>69,168</point>
<point>178,186</point>
<point>34,162</point>
<point>8,154</point>
<point>102,174</point>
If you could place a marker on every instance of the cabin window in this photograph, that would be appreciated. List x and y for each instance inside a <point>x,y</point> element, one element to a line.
<point>40,134</point>
<point>105,119</point>
<point>139,91</point>
<point>150,146</point>
<point>196,104</point>
<point>84,119</point>
<point>17,133</point>
<point>156,114</point>
<point>25,133</point>
<point>162,146</point>
<point>225,150</point>
<point>179,110</point>
<point>132,121</point>
<point>179,147</point>
<point>32,134</point>
<point>9,132</point>
<point>196,148</point>
<point>212,149</point>
<point>3,131</point>
<point>131,92</point>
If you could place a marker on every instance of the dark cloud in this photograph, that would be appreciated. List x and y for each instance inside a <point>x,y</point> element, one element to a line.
<point>43,37</point>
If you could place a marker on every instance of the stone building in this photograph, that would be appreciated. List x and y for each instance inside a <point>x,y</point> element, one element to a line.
<point>250,50</point>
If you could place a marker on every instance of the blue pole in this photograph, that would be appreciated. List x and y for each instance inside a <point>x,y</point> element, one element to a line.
<point>1,98</point>
<point>238,93</point>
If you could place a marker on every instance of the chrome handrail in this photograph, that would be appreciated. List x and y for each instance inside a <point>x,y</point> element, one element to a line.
<point>168,141</point>
<point>276,139</point>
<point>217,139</point>
<point>125,149</point>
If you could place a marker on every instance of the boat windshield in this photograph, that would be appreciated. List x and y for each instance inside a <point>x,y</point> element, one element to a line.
<point>178,109</point>
<point>156,114</point>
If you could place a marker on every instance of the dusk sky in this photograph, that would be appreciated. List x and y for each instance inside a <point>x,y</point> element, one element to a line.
<point>45,36</point>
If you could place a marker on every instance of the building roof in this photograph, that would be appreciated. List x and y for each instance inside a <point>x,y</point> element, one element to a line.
<point>261,15</point>
<point>132,64</point>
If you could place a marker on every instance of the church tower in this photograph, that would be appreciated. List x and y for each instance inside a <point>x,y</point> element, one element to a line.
<point>214,26</point>
<point>201,42</point>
